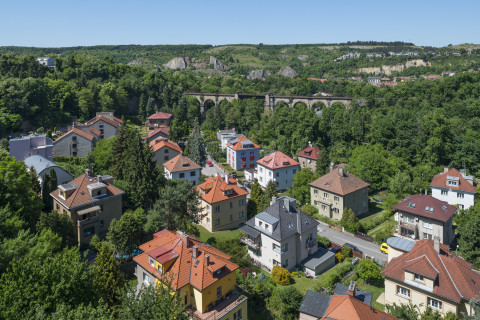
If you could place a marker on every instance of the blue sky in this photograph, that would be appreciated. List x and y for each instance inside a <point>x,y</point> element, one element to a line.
<point>63,23</point>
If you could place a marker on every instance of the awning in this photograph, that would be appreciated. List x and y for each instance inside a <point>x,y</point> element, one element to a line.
<point>88,210</point>
<point>250,231</point>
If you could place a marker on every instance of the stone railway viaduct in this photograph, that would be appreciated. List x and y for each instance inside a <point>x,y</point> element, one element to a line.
<point>270,99</point>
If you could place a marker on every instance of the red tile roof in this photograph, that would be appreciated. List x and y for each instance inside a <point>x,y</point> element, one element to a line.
<point>338,183</point>
<point>277,160</point>
<point>310,153</point>
<point>104,119</point>
<point>160,115</point>
<point>440,181</point>
<point>344,307</point>
<point>181,163</point>
<point>455,279</point>
<point>81,195</point>
<point>419,203</point>
<point>186,268</point>
<point>118,120</point>
<point>95,131</point>
<point>79,132</point>
<point>214,189</point>
<point>163,130</point>
<point>237,144</point>
<point>159,143</point>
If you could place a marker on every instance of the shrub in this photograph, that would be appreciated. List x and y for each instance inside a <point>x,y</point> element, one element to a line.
<point>281,276</point>
<point>294,274</point>
<point>346,251</point>
<point>323,242</point>
<point>350,221</point>
<point>339,257</point>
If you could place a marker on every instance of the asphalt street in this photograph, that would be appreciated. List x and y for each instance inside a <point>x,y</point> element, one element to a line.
<point>340,238</point>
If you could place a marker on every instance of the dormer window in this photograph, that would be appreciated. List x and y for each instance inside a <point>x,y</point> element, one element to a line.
<point>260,223</point>
<point>452,183</point>
<point>266,226</point>
<point>151,262</point>
<point>418,277</point>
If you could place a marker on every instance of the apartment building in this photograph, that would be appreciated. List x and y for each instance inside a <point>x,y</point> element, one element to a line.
<point>277,167</point>
<point>203,277</point>
<point>454,187</point>
<point>106,123</point>
<point>31,145</point>
<point>242,153</point>
<point>75,143</point>
<point>223,204</point>
<point>92,202</point>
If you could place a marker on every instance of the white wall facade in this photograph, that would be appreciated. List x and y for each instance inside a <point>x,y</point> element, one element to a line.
<point>189,175</point>
<point>451,196</point>
<point>283,177</point>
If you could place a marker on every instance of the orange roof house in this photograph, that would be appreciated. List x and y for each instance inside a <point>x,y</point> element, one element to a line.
<point>164,150</point>
<point>242,153</point>
<point>430,275</point>
<point>182,167</point>
<point>277,167</point>
<point>203,276</point>
<point>223,203</point>
<point>158,119</point>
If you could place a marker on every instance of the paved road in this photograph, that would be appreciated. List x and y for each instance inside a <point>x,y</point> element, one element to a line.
<point>211,171</point>
<point>368,248</point>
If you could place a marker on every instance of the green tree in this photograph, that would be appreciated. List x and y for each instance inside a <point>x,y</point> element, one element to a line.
<point>176,209</point>
<point>49,185</point>
<point>369,271</point>
<point>300,189</point>
<point>323,164</point>
<point>475,305</point>
<point>60,224</point>
<point>469,242</point>
<point>270,192</point>
<point>403,311</point>
<point>256,195</point>
<point>196,146</point>
<point>400,184</point>
<point>107,276</point>
<point>281,276</point>
<point>350,221</point>
<point>34,180</point>
<point>125,234</point>
<point>284,303</point>
<point>323,242</point>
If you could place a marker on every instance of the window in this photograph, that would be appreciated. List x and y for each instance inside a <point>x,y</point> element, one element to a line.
<point>452,183</point>
<point>182,175</point>
<point>100,125</point>
<point>418,277</point>
<point>58,207</point>
<point>74,138</point>
<point>231,217</point>
<point>285,264</point>
<point>89,231</point>
<point>408,219</point>
<point>151,262</point>
<point>260,223</point>
<point>461,206</point>
<point>444,193</point>
<point>336,210</point>
<point>231,204</point>
<point>237,315</point>
<point>146,279</point>
<point>216,209</point>
<point>278,174</point>
<point>315,191</point>
<point>294,171</point>
<point>261,178</point>
<point>434,304</point>
<point>324,207</point>
<point>208,221</point>
<point>427,236</point>
<point>325,195</point>
<point>193,173</point>
<point>427,225</point>
<point>74,154</point>
<point>270,173</point>
<point>336,199</point>
<point>266,226</point>
<point>165,158</point>
<point>219,291</point>
<point>275,262</point>
<point>166,150</point>
<point>285,247</point>
<point>241,214</point>
<point>460,195</point>
<point>74,145</point>
<point>404,292</point>
<point>241,202</point>
<point>217,221</point>
<point>315,202</point>
<point>101,223</point>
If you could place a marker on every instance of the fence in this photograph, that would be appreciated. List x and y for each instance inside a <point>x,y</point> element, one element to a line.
<point>363,236</point>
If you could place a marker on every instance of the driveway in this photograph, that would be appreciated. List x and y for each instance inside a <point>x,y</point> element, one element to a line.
<point>368,248</point>
<point>211,171</point>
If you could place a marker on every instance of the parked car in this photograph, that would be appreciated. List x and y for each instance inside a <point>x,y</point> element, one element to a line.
<point>354,248</point>
<point>335,249</point>
<point>384,248</point>
<point>210,163</point>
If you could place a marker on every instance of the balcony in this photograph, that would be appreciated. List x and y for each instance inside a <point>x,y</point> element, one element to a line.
<point>280,250</point>
<point>84,222</point>
<point>222,307</point>
<point>250,242</point>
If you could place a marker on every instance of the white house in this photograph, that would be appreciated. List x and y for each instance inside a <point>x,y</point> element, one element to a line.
<point>280,235</point>
<point>277,167</point>
<point>182,167</point>
<point>454,187</point>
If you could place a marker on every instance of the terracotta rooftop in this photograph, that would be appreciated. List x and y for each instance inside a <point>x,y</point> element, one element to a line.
<point>81,195</point>
<point>95,131</point>
<point>440,181</point>
<point>310,153</point>
<point>455,279</point>
<point>214,189</point>
<point>277,160</point>
<point>339,307</point>
<point>186,269</point>
<point>339,182</point>
<point>163,130</point>
<point>104,119</point>
<point>160,115</point>
<point>159,143</point>
<point>79,132</point>
<point>181,163</point>
<point>427,206</point>
<point>242,143</point>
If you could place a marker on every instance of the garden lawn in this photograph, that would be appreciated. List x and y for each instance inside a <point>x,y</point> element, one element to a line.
<point>219,235</point>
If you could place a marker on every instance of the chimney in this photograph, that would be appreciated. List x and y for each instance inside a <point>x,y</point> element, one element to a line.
<point>274,199</point>
<point>195,252</point>
<point>445,169</point>
<point>340,170</point>
<point>227,179</point>
<point>184,237</point>
<point>87,171</point>
<point>207,260</point>
<point>99,178</point>
<point>351,289</point>
<point>436,244</point>
<point>331,166</point>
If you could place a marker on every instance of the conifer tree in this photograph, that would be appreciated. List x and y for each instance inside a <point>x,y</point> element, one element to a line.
<point>49,185</point>
<point>196,146</point>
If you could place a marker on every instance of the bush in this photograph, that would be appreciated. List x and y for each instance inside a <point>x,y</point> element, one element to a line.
<point>309,209</point>
<point>346,251</point>
<point>281,276</point>
<point>294,274</point>
<point>323,242</point>
<point>350,221</point>
<point>339,257</point>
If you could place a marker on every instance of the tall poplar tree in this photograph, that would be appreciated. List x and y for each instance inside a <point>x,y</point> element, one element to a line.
<point>196,146</point>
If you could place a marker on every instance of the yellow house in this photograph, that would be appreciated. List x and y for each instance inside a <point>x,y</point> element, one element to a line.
<point>223,204</point>
<point>431,276</point>
<point>202,276</point>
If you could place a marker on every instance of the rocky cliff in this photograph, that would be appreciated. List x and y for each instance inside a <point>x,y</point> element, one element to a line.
<point>257,74</point>
<point>287,72</point>
<point>177,63</point>
<point>217,65</point>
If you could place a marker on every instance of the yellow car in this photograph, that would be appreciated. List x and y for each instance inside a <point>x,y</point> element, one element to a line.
<point>384,248</point>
